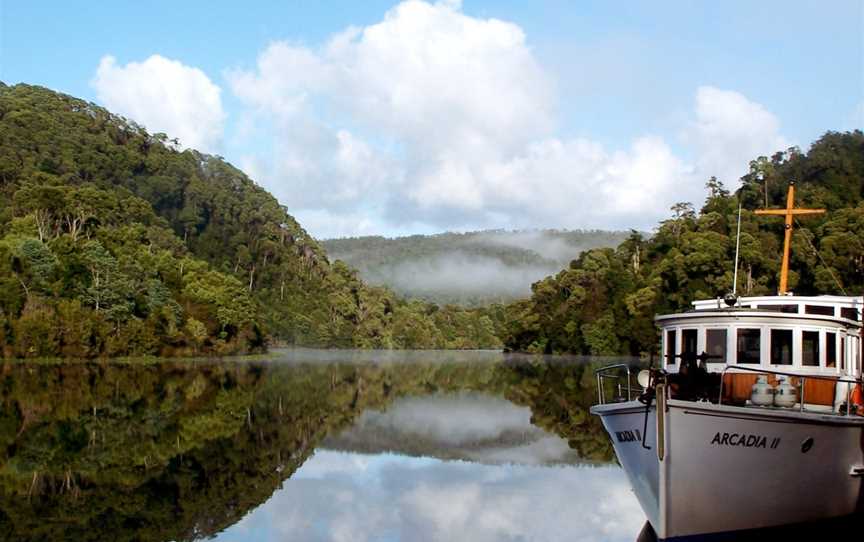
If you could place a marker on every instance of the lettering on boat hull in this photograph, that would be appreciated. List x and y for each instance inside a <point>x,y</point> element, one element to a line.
<point>745,440</point>
<point>629,435</point>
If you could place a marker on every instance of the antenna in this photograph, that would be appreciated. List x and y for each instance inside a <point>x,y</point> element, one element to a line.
<point>737,246</point>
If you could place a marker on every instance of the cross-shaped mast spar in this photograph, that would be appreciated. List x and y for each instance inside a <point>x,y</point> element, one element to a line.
<point>789,212</point>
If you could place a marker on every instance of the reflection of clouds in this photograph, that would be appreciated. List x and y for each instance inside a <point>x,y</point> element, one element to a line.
<point>543,451</point>
<point>403,498</point>
<point>464,425</point>
<point>331,464</point>
<point>459,418</point>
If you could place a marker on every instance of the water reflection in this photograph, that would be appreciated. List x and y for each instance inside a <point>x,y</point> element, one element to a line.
<point>467,425</point>
<point>356,497</point>
<point>184,451</point>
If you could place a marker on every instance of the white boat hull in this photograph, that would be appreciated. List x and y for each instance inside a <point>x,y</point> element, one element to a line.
<point>727,469</point>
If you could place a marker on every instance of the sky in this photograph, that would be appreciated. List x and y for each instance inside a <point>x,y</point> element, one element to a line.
<point>393,118</point>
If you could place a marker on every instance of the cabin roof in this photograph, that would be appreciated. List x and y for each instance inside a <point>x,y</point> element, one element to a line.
<point>828,300</point>
<point>844,310</point>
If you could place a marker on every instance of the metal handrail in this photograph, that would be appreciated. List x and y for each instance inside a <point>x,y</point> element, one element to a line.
<point>602,376</point>
<point>802,378</point>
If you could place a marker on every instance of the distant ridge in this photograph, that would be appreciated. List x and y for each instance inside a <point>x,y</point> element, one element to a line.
<point>473,268</point>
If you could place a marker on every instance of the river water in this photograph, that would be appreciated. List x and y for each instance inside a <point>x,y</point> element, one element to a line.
<point>310,445</point>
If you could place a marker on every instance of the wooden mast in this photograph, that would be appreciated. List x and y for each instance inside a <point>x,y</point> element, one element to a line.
<point>789,212</point>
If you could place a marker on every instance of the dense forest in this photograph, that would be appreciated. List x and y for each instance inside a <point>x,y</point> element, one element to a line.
<point>180,451</point>
<point>470,269</point>
<point>114,242</point>
<point>604,302</point>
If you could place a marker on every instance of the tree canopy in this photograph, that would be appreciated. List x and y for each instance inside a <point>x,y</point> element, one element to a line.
<point>114,242</point>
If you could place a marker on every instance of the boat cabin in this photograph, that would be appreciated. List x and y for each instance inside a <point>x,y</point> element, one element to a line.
<point>810,337</point>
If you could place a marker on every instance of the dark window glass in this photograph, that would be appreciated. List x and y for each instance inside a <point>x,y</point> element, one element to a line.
<point>810,348</point>
<point>715,341</point>
<point>670,347</point>
<point>851,314</point>
<point>781,347</point>
<point>830,349</point>
<point>690,338</point>
<point>779,308</point>
<point>819,309</point>
<point>842,354</point>
<point>749,345</point>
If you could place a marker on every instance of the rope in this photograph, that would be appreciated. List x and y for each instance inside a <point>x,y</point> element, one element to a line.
<point>818,255</point>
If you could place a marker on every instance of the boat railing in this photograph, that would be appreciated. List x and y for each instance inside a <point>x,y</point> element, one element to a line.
<point>621,381</point>
<point>802,378</point>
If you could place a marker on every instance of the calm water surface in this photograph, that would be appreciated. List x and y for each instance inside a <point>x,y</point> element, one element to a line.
<point>310,445</point>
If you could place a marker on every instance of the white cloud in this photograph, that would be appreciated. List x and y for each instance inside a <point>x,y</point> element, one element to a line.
<point>164,95</point>
<point>475,80</point>
<point>578,183</point>
<point>331,223</point>
<point>437,118</point>
<point>731,130</point>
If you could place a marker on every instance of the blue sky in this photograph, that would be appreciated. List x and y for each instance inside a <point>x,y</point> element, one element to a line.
<point>444,116</point>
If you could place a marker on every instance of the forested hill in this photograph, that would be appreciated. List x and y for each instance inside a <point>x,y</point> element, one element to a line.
<point>604,302</point>
<point>114,242</point>
<point>474,268</point>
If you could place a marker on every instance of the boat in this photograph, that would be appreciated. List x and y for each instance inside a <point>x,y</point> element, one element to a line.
<point>754,418</point>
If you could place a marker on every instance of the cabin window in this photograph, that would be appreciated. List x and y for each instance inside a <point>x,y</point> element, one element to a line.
<point>689,337</point>
<point>830,349</point>
<point>779,308</point>
<point>819,309</point>
<point>715,345</point>
<point>749,345</point>
<point>781,347</point>
<point>671,335</point>
<point>851,314</point>
<point>810,348</point>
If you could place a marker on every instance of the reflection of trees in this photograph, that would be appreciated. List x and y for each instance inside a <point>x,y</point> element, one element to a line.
<point>89,450</point>
<point>182,451</point>
<point>559,395</point>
